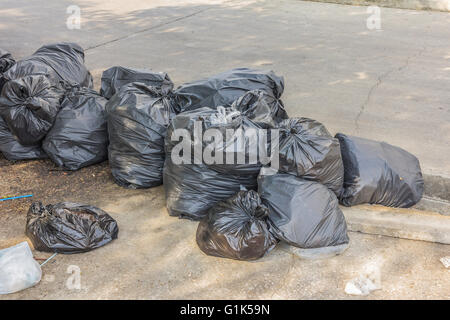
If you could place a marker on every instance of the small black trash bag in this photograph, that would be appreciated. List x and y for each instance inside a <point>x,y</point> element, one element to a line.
<point>307,150</point>
<point>69,227</point>
<point>138,116</point>
<point>34,87</point>
<point>224,88</point>
<point>11,148</point>
<point>379,173</point>
<point>236,228</point>
<point>116,77</point>
<point>303,213</point>
<point>79,136</point>
<point>192,189</point>
<point>6,61</point>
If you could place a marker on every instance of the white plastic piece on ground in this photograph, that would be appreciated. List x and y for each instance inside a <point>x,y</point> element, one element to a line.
<point>369,279</point>
<point>361,286</point>
<point>445,261</point>
<point>18,269</point>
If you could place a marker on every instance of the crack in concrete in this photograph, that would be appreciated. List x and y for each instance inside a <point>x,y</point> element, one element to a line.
<point>380,79</point>
<point>147,29</point>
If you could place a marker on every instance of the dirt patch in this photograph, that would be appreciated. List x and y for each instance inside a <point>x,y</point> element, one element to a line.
<point>49,184</point>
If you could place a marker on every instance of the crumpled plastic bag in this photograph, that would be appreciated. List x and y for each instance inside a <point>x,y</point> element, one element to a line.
<point>379,173</point>
<point>79,136</point>
<point>6,61</point>
<point>116,77</point>
<point>307,150</point>
<point>224,88</point>
<point>12,149</point>
<point>34,87</point>
<point>236,228</point>
<point>138,116</point>
<point>69,227</point>
<point>303,213</point>
<point>255,103</point>
<point>18,269</point>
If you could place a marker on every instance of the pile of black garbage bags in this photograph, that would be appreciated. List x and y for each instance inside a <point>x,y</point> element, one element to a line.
<point>279,179</point>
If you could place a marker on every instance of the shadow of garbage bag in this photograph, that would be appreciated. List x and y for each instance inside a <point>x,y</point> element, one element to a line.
<point>69,227</point>
<point>302,213</point>
<point>34,87</point>
<point>79,136</point>
<point>379,173</point>
<point>236,228</point>
<point>115,78</point>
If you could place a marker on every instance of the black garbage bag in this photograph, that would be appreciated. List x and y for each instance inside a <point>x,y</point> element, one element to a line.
<point>302,213</point>
<point>63,62</point>
<point>138,116</point>
<point>307,150</point>
<point>79,136</point>
<point>116,77</point>
<point>29,105</point>
<point>34,88</point>
<point>254,104</point>
<point>192,189</point>
<point>237,153</point>
<point>69,227</point>
<point>224,88</point>
<point>379,173</point>
<point>6,61</point>
<point>236,228</point>
<point>11,148</point>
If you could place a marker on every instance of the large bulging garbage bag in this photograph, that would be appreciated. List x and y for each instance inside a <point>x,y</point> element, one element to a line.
<point>79,136</point>
<point>192,189</point>
<point>303,213</point>
<point>138,116</point>
<point>307,150</point>
<point>225,139</point>
<point>18,269</point>
<point>29,105</point>
<point>379,173</point>
<point>224,88</point>
<point>34,88</point>
<point>6,61</point>
<point>69,227</point>
<point>116,77</point>
<point>61,61</point>
<point>236,228</point>
<point>12,149</point>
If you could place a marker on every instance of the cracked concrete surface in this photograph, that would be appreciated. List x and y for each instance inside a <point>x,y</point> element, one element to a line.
<point>336,71</point>
<point>380,79</point>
